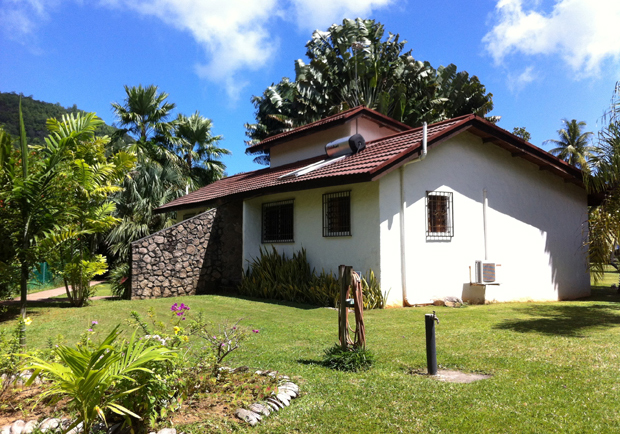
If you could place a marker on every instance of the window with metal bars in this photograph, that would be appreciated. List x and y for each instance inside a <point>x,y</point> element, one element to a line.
<point>440,215</point>
<point>337,214</point>
<point>278,222</point>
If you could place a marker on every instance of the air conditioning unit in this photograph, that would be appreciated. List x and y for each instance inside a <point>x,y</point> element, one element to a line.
<point>485,272</point>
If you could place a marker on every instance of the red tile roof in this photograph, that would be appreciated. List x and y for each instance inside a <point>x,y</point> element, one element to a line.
<point>376,160</point>
<point>325,123</point>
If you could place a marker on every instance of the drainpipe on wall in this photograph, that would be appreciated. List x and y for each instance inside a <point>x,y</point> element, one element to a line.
<point>403,261</point>
<point>485,205</point>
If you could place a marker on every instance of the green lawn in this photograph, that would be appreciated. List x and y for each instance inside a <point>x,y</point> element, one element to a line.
<point>555,366</point>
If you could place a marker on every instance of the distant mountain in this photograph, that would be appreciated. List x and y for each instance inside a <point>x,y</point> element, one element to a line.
<point>35,115</point>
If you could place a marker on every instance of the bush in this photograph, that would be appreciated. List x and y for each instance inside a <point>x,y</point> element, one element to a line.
<point>352,359</point>
<point>91,375</point>
<point>120,281</point>
<point>274,276</point>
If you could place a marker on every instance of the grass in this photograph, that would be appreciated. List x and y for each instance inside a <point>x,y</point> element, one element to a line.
<point>555,366</point>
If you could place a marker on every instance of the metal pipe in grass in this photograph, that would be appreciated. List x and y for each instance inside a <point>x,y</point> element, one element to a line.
<point>431,351</point>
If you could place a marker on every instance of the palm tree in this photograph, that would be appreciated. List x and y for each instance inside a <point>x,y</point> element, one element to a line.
<point>145,112</point>
<point>172,156</point>
<point>573,145</point>
<point>198,148</point>
<point>604,220</point>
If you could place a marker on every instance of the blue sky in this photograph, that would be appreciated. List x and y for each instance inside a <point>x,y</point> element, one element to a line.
<point>542,60</point>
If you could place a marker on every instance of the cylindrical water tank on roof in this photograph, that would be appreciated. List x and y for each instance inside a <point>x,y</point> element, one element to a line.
<point>345,145</point>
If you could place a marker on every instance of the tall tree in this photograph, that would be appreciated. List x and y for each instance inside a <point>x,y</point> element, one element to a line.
<point>145,113</point>
<point>32,189</point>
<point>573,145</point>
<point>604,220</point>
<point>199,148</point>
<point>173,156</point>
<point>353,64</point>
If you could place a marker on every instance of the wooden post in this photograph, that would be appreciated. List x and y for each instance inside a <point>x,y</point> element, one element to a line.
<point>344,273</point>
<point>360,329</point>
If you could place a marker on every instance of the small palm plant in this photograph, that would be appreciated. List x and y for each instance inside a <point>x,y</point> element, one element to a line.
<point>90,376</point>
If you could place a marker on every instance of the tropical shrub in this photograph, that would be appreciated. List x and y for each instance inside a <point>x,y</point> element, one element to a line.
<point>196,369</point>
<point>120,280</point>
<point>275,276</point>
<point>91,375</point>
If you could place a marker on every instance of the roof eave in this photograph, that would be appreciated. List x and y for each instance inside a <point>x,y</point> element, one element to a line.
<point>328,181</point>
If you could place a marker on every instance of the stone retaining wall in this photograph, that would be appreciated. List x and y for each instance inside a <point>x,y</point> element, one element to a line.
<point>195,256</point>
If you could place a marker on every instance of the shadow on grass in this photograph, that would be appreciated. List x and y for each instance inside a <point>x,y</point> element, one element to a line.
<point>268,301</point>
<point>10,312</point>
<point>563,320</point>
<point>311,362</point>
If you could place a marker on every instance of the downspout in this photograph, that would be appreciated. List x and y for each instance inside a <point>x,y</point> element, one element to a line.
<point>485,205</point>
<point>403,261</point>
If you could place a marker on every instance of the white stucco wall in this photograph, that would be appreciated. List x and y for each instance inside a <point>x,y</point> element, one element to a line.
<point>361,249</point>
<point>313,145</point>
<point>534,227</point>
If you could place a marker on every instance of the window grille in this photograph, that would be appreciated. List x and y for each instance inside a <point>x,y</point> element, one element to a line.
<point>440,215</point>
<point>278,222</point>
<point>337,214</point>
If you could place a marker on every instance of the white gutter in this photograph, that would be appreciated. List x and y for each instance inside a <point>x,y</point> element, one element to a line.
<point>485,205</point>
<point>403,261</point>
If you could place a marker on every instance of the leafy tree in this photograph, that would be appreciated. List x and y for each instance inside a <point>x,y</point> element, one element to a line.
<point>32,190</point>
<point>8,273</point>
<point>522,132</point>
<point>352,64</point>
<point>604,220</point>
<point>94,176</point>
<point>573,145</point>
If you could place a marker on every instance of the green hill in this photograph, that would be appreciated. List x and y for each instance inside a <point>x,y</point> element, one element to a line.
<point>35,115</point>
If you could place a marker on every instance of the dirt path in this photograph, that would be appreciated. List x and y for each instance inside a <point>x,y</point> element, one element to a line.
<point>49,294</point>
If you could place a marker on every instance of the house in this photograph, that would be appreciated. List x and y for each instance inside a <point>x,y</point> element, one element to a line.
<point>482,215</point>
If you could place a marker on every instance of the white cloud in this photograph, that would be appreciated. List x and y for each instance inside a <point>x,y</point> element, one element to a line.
<point>236,35</point>
<point>583,32</point>
<point>518,82</point>
<point>320,14</point>
<point>19,18</point>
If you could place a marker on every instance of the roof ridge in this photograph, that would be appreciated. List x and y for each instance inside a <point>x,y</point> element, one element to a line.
<point>418,129</point>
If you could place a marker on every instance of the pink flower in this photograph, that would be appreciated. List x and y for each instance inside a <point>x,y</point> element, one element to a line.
<point>255,331</point>
<point>95,322</point>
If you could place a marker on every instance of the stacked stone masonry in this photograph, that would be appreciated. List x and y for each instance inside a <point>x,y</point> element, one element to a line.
<point>196,256</point>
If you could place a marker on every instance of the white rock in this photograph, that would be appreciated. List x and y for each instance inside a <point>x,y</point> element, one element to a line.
<point>6,429</point>
<point>276,402</point>
<point>77,429</point>
<point>247,416</point>
<point>49,424</point>
<point>30,426</point>
<point>283,398</point>
<point>18,427</point>
<point>260,409</point>
<point>292,386</point>
<point>167,431</point>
